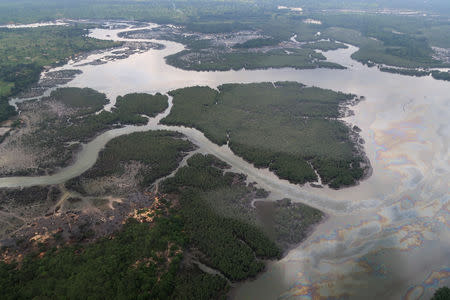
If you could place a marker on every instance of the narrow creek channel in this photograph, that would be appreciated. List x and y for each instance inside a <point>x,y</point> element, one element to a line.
<point>390,234</point>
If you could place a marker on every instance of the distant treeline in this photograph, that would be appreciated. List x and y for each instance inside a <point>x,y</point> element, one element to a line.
<point>438,75</point>
<point>256,43</point>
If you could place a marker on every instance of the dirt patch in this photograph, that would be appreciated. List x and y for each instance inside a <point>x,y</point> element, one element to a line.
<point>14,157</point>
<point>71,218</point>
<point>116,185</point>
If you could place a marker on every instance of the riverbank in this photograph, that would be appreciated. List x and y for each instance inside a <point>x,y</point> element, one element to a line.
<point>366,219</point>
<point>223,51</point>
<point>102,200</point>
<point>85,210</point>
<point>283,126</point>
<point>54,128</point>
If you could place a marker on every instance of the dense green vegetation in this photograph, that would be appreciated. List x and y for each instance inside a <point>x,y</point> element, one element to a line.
<point>403,41</point>
<point>285,127</point>
<point>409,72</point>
<point>228,244</point>
<point>145,260</point>
<point>24,53</point>
<point>201,188</point>
<point>257,43</point>
<point>204,55</point>
<point>441,75</point>
<point>6,110</point>
<point>325,45</point>
<point>437,35</point>
<point>390,39</point>
<point>27,11</point>
<point>128,110</point>
<point>159,151</point>
<point>140,103</point>
<point>442,293</point>
<point>218,27</point>
<point>286,222</point>
<point>84,101</point>
<point>140,262</point>
<point>277,58</point>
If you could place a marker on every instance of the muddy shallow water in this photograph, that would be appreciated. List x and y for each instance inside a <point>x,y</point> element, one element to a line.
<point>387,237</point>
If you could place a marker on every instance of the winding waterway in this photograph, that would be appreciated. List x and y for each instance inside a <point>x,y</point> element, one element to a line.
<point>388,237</point>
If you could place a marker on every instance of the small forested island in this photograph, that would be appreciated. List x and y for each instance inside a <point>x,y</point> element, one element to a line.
<point>284,126</point>
<point>441,75</point>
<point>224,52</point>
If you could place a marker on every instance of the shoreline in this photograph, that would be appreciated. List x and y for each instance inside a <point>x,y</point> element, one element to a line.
<point>375,201</point>
<point>354,137</point>
<point>285,251</point>
<point>234,288</point>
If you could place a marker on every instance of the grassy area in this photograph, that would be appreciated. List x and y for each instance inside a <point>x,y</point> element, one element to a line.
<point>5,88</point>
<point>156,10</point>
<point>45,45</point>
<point>285,127</point>
<point>392,40</point>
<point>24,53</point>
<point>229,245</point>
<point>284,222</point>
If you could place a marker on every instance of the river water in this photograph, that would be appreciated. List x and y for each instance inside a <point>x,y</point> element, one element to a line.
<point>388,237</point>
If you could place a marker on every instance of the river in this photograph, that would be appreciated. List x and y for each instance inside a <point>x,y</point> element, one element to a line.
<point>387,237</point>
